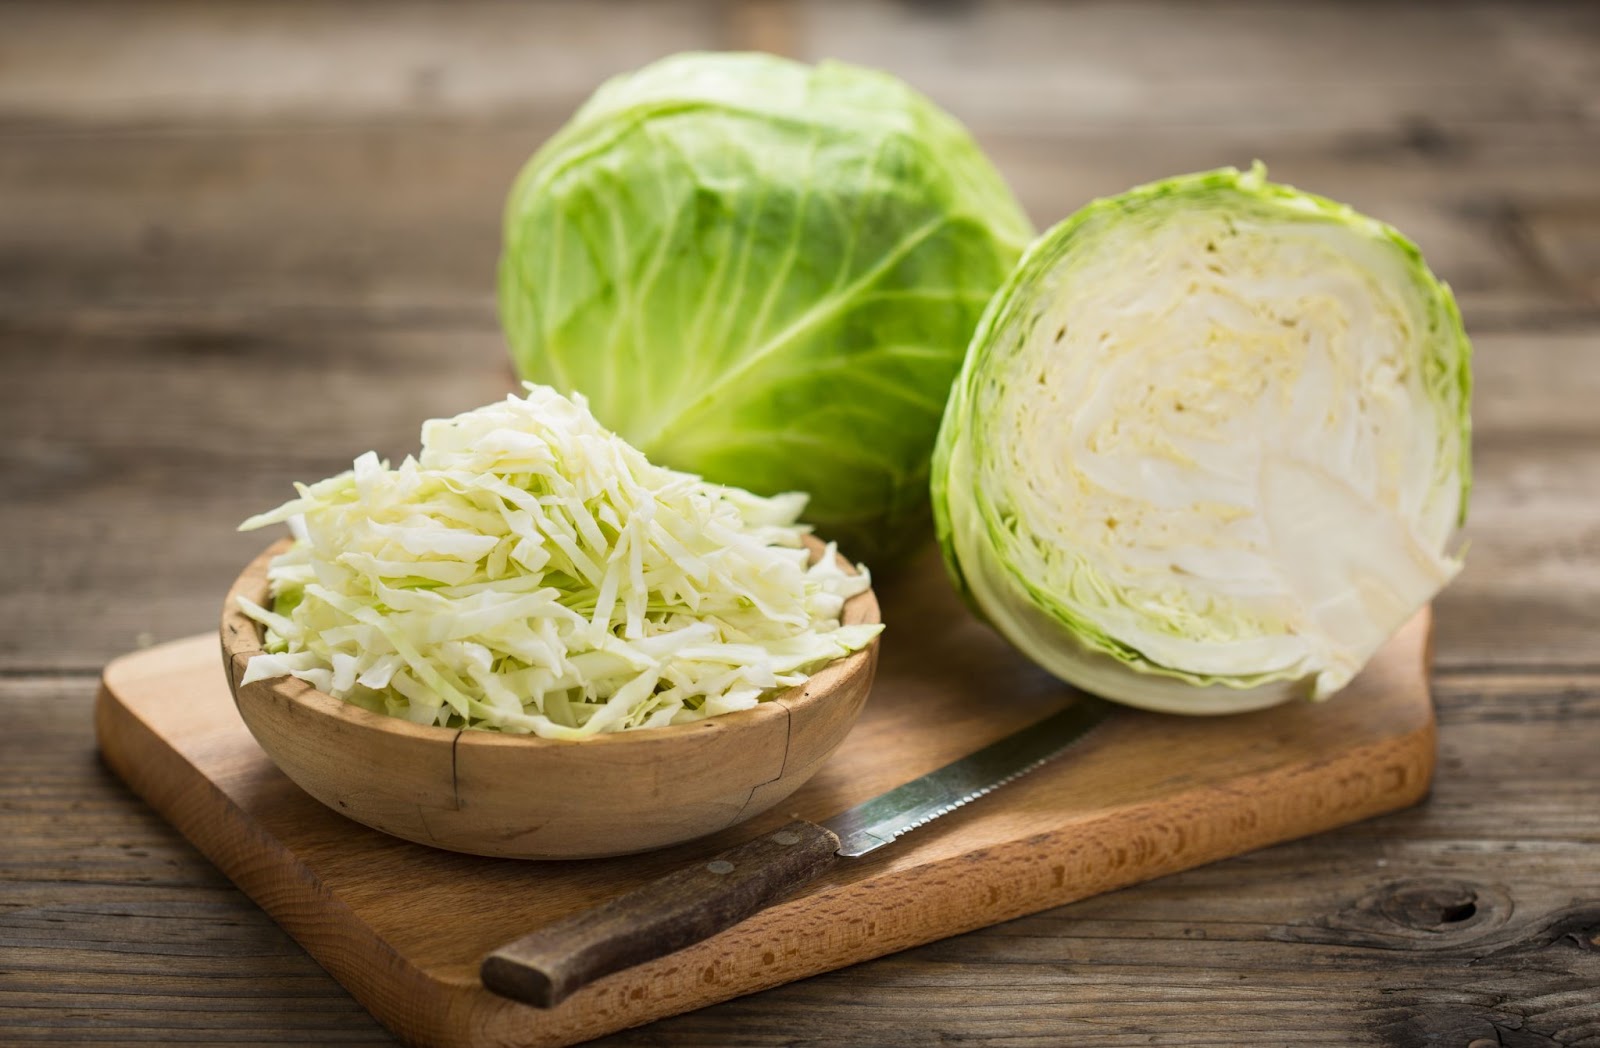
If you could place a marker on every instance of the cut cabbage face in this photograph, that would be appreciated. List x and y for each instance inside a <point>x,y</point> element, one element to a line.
<point>531,572</point>
<point>1210,445</point>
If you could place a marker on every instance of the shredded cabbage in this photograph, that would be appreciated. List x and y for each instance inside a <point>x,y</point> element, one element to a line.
<point>531,572</point>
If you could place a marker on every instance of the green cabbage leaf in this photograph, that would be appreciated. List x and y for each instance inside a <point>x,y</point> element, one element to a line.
<point>765,273</point>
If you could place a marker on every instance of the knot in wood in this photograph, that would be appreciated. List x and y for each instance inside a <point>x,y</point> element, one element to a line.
<point>1429,908</point>
<point>1411,915</point>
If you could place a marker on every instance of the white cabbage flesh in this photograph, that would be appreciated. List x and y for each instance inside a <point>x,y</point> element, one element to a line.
<point>531,572</point>
<point>1213,461</point>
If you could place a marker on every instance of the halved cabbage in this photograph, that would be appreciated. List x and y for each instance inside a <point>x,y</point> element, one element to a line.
<point>1209,447</point>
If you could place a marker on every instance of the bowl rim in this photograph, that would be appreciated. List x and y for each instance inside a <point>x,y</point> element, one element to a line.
<point>243,637</point>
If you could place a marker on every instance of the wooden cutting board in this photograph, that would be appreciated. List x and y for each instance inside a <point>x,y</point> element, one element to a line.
<point>404,926</point>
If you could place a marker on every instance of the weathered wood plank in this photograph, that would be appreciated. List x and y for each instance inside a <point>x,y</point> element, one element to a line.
<point>405,220</point>
<point>117,484</point>
<point>110,922</point>
<point>113,929</point>
<point>391,221</point>
<point>1032,67</point>
<point>271,157</point>
<point>221,64</point>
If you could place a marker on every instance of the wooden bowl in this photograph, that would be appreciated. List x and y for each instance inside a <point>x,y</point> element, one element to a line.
<point>525,797</point>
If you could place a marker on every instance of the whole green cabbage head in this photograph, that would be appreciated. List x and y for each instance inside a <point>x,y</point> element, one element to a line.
<point>1210,445</point>
<point>764,273</point>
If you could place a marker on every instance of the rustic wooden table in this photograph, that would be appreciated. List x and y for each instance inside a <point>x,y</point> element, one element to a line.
<point>242,242</point>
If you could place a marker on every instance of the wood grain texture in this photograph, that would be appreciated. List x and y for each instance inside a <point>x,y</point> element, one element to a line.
<point>523,797</point>
<point>116,931</point>
<point>1138,799</point>
<point>225,218</point>
<point>223,186</point>
<point>255,220</point>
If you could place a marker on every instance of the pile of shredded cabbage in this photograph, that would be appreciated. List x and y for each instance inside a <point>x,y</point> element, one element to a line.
<point>532,572</point>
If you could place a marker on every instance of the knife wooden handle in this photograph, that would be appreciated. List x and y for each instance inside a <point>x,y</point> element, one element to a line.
<point>662,917</point>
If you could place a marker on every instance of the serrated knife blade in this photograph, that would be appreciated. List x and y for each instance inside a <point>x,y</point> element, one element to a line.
<point>880,820</point>
<point>698,901</point>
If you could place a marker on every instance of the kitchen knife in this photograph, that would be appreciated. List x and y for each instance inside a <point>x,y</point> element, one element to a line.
<point>697,902</point>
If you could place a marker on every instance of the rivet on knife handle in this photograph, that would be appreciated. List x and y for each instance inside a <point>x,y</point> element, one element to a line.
<point>662,917</point>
